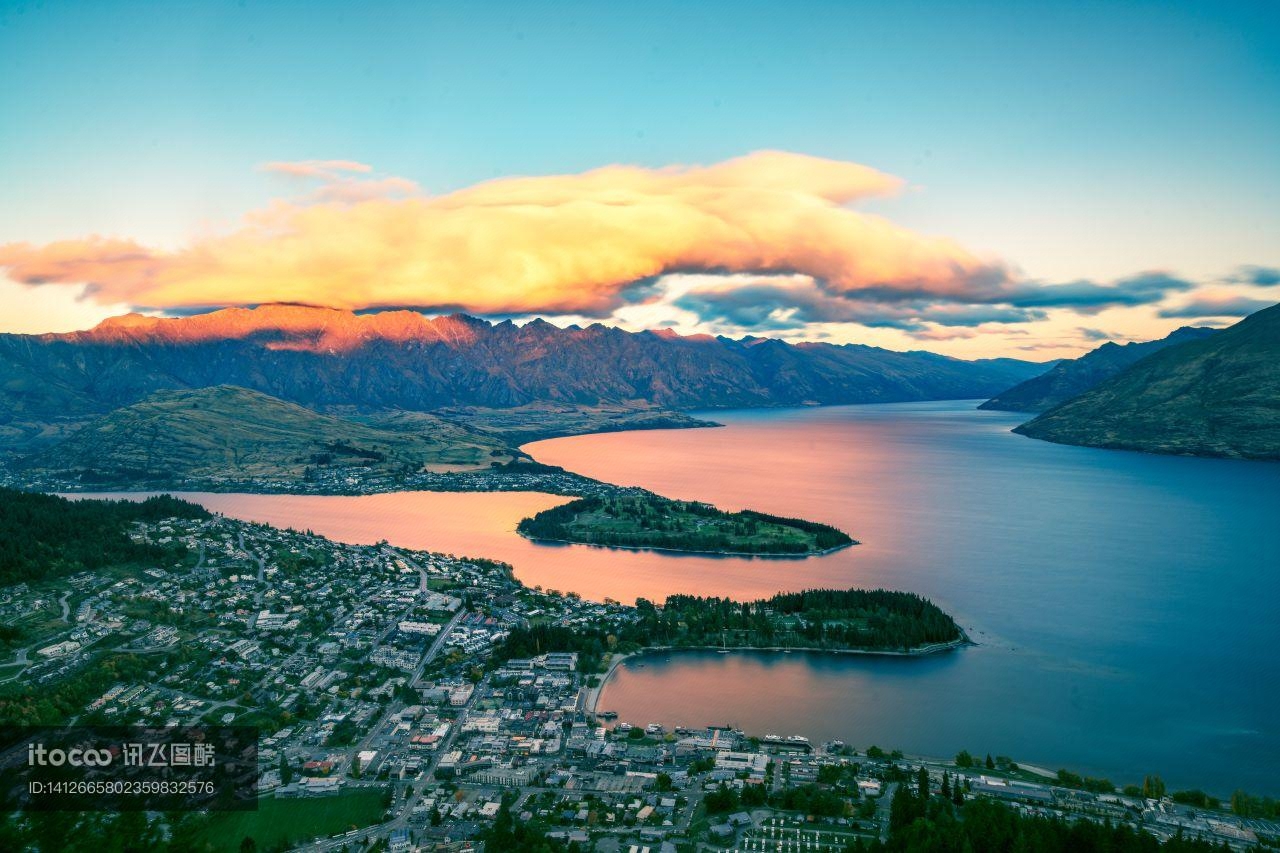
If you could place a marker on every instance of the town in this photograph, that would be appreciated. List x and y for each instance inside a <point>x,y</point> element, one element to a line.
<point>391,715</point>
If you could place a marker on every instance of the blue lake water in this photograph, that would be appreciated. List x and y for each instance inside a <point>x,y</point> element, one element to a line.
<point>1124,604</point>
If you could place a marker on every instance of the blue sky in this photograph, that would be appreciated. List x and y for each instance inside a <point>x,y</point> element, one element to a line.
<point>1073,141</point>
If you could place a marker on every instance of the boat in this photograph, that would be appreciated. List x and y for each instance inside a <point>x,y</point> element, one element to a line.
<point>797,739</point>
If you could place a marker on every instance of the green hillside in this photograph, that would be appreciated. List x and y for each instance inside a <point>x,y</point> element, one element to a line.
<point>229,432</point>
<point>1219,396</point>
<point>45,536</point>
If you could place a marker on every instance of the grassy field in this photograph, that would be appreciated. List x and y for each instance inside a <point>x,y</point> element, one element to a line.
<point>280,822</point>
<point>650,521</point>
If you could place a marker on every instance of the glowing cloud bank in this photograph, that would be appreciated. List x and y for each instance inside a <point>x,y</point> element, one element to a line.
<point>569,244</point>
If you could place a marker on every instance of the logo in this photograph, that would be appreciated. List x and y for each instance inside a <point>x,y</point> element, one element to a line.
<point>39,756</point>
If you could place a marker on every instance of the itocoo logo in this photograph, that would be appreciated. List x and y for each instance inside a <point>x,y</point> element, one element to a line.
<point>39,756</point>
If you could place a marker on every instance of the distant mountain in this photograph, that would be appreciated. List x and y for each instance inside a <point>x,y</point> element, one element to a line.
<point>1219,396</point>
<point>332,360</point>
<point>1075,376</point>
<point>228,432</point>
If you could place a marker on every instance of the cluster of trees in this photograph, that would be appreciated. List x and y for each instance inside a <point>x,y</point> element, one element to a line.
<point>944,821</point>
<point>589,643</point>
<point>1002,762</point>
<point>832,619</point>
<point>1246,805</point>
<point>984,826</point>
<point>45,536</point>
<point>342,448</point>
<point>85,832</point>
<point>524,837</point>
<point>650,521</point>
<point>1086,783</point>
<point>809,799</point>
<point>822,618</point>
<point>22,704</point>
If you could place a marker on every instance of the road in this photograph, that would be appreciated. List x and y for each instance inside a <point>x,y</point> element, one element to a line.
<point>262,580</point>
<point>402,805</point>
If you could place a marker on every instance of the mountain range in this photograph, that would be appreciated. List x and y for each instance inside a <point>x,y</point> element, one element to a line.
<point>1216,396</point>
<point>341,362</point>
<point>1072,377</point>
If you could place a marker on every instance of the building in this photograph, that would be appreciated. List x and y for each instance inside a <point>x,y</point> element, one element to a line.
<point>563,661</point>
<point>58,650</point>
<point>754,763</point>
<point>414,627</point>
<point>461,695</point>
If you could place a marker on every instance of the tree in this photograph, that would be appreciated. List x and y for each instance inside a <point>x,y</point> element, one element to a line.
<point>946,785</point>
<point>286,772</point>
<point>248,845</point>
<point>922,785</point>
<point>723,799</point>
<point>991,765</point>
<point>830,774</point>
<point>964,759</point>
<point>1153,787</point>
<point>902,810</point>
<point>663,782</point>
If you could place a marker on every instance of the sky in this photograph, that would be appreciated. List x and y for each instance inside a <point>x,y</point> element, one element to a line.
<point>979,179</point>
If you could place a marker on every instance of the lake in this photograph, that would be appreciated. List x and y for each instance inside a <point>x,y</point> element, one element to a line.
<point>1124,604</point>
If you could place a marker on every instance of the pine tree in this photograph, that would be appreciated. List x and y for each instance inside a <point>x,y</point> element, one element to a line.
<point>902,810</point>
<point>991,765</point>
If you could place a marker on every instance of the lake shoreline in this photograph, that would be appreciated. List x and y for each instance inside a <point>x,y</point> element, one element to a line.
<point>543,540</point>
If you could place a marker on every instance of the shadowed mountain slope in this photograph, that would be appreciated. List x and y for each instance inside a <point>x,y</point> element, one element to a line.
<point>1219,396</point>
<point>1069,378</point>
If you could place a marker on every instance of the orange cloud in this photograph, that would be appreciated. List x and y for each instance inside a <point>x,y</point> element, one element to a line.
<point>569,244</point>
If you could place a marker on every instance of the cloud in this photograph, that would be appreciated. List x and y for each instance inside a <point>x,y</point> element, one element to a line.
<point>1216,306</point>
<point>791,302</point>
<point>346,191</point>
<point>314,168</point>
<point>1090,297</point>
<point>1099,335</point>
<point>343,181</point>
<point>1256,275</point>
<point>943,333</point>
<point>570,244</point>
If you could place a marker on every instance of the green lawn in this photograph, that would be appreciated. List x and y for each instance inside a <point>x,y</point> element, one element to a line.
<point>278,822</point>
